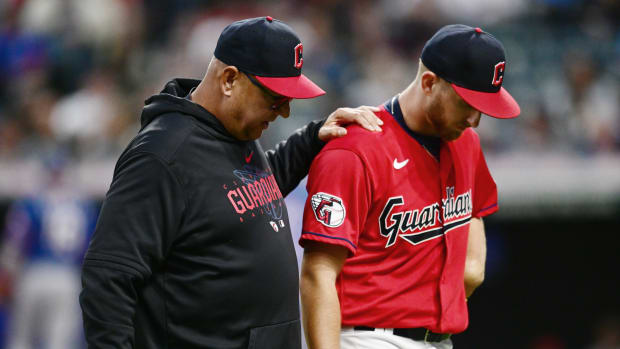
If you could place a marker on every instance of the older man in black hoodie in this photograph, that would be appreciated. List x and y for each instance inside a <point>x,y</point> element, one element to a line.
<point>193,246</point>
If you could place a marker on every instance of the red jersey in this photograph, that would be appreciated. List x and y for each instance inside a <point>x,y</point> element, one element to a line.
<point>404,216</point>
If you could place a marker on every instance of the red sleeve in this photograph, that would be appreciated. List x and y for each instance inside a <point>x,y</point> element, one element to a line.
<point>485,190</point>
<point>338,199</point>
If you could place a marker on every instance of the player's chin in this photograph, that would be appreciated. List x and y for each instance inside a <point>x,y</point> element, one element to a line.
<point>252,134</point>
<point>450,136</point>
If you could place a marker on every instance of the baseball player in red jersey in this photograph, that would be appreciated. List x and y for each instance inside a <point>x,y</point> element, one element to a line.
<point>392,228</point>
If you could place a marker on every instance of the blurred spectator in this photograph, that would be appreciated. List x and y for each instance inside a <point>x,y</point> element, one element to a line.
<point>606,333</point>
<point>584,103</point>
<point>70,68</point>
<point>82,119</point>
<point>10,136</point>
<point>44,241</point>
<point>594,104</point>
<point>98,22</point>
<point>481,11</point>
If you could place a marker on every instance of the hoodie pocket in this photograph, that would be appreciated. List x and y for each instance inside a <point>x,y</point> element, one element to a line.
<point>286,335</point>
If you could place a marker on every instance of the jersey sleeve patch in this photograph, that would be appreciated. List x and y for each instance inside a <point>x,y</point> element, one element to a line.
<point>328,209</point>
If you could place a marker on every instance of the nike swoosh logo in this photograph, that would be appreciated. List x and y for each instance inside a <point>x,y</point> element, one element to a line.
<point>399,165</point>
<point>249,157</point>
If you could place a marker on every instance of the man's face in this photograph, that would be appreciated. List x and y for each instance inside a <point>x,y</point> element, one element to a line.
<point>257,107</point>
<point>450,114</point>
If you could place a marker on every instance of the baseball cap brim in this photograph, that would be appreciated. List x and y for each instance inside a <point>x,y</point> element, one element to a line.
<point>496,104</point>
<point>292,87</point>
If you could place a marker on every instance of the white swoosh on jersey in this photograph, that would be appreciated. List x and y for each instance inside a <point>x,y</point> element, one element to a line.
<point>399,165</point>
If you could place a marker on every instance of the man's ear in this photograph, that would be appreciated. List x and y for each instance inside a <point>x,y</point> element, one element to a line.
<point>429,81</point>
<point>229,77</point>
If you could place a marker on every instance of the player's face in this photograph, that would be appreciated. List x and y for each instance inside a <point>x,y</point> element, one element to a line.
<point>258,106</point>
<point>451,115</point>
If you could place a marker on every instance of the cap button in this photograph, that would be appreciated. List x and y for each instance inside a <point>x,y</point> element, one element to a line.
<point>478,30</point>
<point>269,18</point>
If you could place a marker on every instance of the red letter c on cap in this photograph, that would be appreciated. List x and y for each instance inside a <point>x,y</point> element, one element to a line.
<point>498,76</point>
<point>299,61</point>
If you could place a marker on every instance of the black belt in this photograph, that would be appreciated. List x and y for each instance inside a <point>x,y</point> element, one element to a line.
<point>417,334</point>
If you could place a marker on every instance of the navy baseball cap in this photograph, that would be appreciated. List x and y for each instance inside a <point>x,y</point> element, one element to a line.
<point>270,50</point>
<point>473,62</point>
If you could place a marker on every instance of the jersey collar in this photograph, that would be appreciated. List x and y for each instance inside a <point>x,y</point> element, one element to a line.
<point>430,143</point>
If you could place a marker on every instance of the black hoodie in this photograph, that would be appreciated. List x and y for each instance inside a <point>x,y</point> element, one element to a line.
<point>193,247</point>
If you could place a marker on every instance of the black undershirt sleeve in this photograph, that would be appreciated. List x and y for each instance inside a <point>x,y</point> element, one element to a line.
<point>291,158</point>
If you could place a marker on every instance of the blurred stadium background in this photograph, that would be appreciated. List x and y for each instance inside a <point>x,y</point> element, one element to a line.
<point>74,74</point>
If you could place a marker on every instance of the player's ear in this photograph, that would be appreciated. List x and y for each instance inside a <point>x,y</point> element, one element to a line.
<point>228,79</point>
<point>429,81</point>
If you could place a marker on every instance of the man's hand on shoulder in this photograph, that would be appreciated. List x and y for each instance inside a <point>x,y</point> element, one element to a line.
<point>364,116</point>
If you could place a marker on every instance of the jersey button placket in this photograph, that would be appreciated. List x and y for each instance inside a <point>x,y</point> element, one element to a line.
<point>443,177</point>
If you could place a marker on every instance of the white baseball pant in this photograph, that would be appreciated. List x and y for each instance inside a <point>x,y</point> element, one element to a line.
<point>384,338</point>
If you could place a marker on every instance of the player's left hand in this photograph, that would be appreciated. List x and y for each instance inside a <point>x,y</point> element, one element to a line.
<point>363,115</point>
